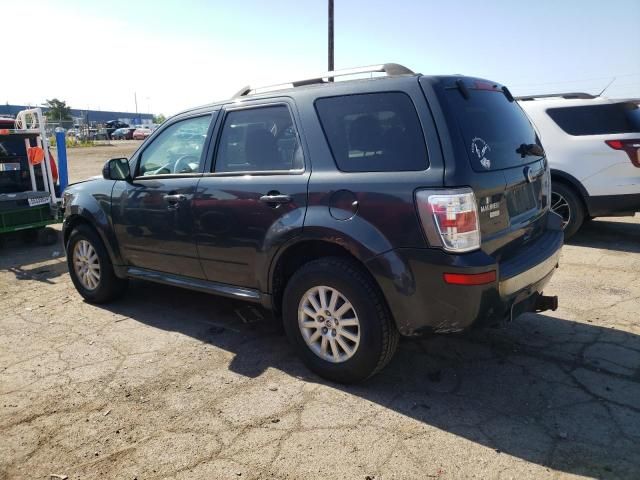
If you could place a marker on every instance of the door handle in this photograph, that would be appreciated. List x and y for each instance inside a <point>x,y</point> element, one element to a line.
<point>275,199</point>
<point>174,200</point>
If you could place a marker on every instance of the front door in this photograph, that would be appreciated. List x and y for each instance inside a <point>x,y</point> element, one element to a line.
<point>153,214</point>
<point>255,196</point>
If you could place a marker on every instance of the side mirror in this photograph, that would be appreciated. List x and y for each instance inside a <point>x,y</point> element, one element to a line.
<point>116,169</point>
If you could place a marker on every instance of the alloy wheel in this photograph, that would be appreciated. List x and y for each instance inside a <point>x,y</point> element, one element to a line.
<point>329,324</point>
<point>560,206</point>
<point>86,264</point>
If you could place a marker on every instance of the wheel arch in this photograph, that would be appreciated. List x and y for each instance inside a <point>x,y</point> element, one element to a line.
<point>293,256</point>
<point>72,221</point>
<point>572,182</point>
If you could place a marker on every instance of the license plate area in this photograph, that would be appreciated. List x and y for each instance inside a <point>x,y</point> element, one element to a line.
<point>33,202</point>
<point>524,198</point>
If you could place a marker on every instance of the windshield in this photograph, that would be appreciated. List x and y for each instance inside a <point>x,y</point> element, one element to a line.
<point>493,128</point>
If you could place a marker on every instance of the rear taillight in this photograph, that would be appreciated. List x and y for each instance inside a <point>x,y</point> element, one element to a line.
<point>450,218</point>
<point>632,147</point>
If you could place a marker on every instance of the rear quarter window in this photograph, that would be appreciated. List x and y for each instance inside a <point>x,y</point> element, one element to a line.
<point>597,119</point>
<point>373,132</point>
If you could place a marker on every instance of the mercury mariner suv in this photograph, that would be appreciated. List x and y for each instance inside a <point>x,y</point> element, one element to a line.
<point>357,210</point>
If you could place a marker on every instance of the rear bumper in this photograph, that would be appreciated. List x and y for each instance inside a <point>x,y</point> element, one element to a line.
<point>420,301</point>
<point>612,205</point>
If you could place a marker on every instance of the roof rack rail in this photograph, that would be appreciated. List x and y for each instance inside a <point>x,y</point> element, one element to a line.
<point>568,95</point>
<point>391,69</point>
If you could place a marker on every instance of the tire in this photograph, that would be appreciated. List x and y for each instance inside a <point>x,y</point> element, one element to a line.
<point>108,287</point>
<point>376,331</point>
<point>566,202</point>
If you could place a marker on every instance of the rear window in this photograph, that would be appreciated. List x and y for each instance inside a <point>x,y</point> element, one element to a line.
<point>12,147</point>
<point>492,127</point>
<point>598,119</point>
<point>374,132</point>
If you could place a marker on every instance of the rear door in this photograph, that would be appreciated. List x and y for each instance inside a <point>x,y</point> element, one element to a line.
<point>254,196</point>
<point>495,151</point>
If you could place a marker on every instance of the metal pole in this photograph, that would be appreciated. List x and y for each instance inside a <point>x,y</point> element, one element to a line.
<point>135,99</point>
<point>61,145</point>
<point>330,39</point>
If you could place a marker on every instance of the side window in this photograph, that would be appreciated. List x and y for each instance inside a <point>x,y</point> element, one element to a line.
<point>598,119</point>
<point>374,132</point>
<point>257,140</point>
<point>178,149</point>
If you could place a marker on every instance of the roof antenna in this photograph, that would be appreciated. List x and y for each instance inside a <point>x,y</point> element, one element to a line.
<point>608,85</point>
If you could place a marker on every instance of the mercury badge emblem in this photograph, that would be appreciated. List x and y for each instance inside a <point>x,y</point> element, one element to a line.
<point>529,175</point>
<point>479,148</point>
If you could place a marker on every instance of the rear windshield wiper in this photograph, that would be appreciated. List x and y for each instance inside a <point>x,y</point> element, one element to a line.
<point>530,149</point>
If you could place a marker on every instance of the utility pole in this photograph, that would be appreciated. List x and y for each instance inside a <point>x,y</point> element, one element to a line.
<point>135,99</point>
<point>330,37</point>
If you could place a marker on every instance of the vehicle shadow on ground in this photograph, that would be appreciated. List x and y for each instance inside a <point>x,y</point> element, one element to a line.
<point>608,235</point>
<point>554,392</point>
<point>25,260</point>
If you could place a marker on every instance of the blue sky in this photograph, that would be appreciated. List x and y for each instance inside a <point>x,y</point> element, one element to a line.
<point>179,54</point>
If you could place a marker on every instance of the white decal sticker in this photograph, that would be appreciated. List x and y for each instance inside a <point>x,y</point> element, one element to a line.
<point>479,147</point>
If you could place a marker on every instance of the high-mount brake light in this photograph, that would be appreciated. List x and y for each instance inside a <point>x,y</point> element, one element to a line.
<point>450,218</point>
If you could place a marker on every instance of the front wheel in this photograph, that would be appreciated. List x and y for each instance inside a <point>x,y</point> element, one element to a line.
<point>338,320</point>
<point>566,203</point>
<point>90,267</point>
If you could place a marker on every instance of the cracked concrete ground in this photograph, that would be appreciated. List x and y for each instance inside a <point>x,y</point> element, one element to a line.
<point>168,383</point>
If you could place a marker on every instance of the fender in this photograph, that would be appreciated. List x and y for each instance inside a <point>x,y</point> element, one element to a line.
<point>573,181</point>
<point>320,226</point>
<point>90,202</point>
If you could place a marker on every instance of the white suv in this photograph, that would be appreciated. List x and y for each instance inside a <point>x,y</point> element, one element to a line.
<point>593,147</point>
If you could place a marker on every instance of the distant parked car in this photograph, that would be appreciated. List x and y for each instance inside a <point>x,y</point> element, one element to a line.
<point>123,133</point>
<point>593,147</point>
<point>113,125</point>
<point>141,133</point>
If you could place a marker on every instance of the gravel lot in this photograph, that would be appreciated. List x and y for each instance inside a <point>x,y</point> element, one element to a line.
<point>167,383</point>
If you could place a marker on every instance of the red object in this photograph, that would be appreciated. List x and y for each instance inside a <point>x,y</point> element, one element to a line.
<point>35,155</point>
<point>54,167</point>
<point>630,146</point>
<point>486,86</point>
<point>470,278</point>
<point>463,222</point>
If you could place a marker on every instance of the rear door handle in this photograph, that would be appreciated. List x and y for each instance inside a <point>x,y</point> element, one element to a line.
<point>174,200</point>
<point>275,199</point>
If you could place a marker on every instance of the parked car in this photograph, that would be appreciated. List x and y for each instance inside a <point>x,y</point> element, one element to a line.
<point>357,211</point>
<point>123,133</point>
<point>593,147</point>
<point>141,133</point>
<point>113,125</point>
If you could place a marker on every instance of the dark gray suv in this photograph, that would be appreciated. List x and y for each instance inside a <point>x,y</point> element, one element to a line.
<point>357,210</point>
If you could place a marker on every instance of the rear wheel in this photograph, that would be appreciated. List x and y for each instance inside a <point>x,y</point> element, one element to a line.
<point>90,267</point>
<point>338,321</point>
<point>566,203</point>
